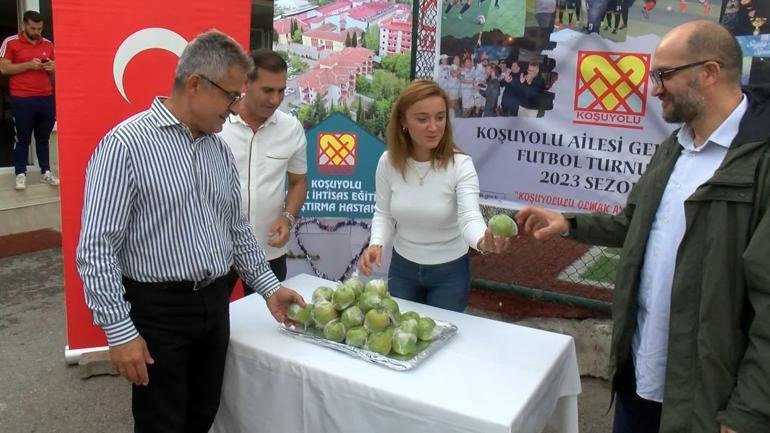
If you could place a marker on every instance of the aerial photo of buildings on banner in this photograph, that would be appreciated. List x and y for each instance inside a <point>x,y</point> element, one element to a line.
<point>346,56</point>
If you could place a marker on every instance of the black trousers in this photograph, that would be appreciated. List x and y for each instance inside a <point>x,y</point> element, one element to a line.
<point>633,414</point>
<point>187,332</point>
<point>277,265</point>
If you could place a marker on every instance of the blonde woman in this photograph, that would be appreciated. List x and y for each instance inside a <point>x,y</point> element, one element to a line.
<point>427,203</point>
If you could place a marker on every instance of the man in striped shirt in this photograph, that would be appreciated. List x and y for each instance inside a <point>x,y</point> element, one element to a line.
<point>161,226</point>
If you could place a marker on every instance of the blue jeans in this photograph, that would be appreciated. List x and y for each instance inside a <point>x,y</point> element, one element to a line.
<point>32,114</point>
<point>445,285</point>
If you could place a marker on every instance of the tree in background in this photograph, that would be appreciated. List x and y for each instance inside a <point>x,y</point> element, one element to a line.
<point>354,42</point>
<point>296,36</point>
<point>347,39</point>
<point>363,85</point>
<point>399,64</point>
<point>372,40</point>
<point>359,109</point>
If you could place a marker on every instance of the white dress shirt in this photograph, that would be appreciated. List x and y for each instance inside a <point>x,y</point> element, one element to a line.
<point>263,158</point>
<point>694,167</point>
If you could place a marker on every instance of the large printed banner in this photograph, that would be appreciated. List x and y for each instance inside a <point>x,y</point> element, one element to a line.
<point>556,109</point>
<point>334,225</point>
<point>112,59</point>
<point>348,61</point>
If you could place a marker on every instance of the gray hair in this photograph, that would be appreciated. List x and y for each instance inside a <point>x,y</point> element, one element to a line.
<point>211,54</point>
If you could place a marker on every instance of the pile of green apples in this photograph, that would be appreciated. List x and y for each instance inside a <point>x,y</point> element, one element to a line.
<point>364,316</point>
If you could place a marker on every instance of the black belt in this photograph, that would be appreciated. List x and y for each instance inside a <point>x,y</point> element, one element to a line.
<point>177,286</point>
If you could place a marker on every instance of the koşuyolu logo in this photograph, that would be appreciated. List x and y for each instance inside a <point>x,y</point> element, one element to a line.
<point>611,88</point>
<point>337,152</point>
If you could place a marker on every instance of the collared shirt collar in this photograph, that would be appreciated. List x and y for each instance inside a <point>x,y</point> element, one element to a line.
<point>722,136</point>
<point>163,116</point>
<point>23,38</point>
<point>236,118</point>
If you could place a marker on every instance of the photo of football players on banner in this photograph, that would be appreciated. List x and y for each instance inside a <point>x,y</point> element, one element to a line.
<point>552,97</point>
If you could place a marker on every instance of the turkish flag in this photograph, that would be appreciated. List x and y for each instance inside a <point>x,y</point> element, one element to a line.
<point>112,58</point>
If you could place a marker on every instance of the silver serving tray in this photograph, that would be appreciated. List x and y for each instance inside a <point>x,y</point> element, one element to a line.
<point>444,332</point>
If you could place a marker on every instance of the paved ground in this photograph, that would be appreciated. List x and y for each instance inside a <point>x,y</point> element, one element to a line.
<point>39,393</point>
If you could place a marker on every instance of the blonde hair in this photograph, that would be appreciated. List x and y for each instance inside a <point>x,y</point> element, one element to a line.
<point>400,146</point>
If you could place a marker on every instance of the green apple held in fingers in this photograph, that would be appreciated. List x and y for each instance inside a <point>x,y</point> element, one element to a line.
<point>376,320</point>
<point>299,314</point>
<point>503,225</point>
<point>356,337</point>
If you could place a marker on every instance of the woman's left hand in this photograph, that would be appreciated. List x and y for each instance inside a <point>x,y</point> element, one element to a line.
<point>490,243</point>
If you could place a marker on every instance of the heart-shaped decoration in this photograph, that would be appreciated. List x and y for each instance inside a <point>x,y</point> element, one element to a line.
<point>331,228</point>
<point>613,81</point>
<point>337,148</point>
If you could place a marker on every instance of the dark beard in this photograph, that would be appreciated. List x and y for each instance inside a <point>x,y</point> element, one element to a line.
<point>31,37</point>
<point>687,107</point>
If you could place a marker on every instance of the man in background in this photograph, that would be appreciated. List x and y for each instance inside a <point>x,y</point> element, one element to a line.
<point>269,147</point>
<point>28,59</point>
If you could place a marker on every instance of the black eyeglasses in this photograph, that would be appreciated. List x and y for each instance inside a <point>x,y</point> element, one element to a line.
<point>658,75</point>
<point>233,96</point>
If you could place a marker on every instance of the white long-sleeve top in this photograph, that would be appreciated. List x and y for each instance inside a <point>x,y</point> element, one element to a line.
<point>431,223</point>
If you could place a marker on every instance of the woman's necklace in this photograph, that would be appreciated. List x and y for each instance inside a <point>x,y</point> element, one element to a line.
<point>421,177</point>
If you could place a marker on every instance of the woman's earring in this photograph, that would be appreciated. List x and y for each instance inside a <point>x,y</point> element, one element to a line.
<point>403,129</point>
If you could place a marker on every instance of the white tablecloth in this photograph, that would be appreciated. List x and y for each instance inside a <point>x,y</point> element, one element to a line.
<point>491,377</point>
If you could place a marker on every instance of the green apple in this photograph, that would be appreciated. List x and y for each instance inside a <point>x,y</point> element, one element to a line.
<point>426,328</point>
<point>379,342</point>
<point>322,293</point>
<point>334,331</point>
<point>502,225</point>
<point>376,320</point>
<point>352,317</point>
<point>404,343</point>
<point>356,337</point>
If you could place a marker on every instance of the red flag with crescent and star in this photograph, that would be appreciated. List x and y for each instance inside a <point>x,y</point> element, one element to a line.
<point>113,57</point>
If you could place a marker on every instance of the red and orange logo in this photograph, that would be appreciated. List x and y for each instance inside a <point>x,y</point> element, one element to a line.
<point>337,152</point>
<point>611,88</point>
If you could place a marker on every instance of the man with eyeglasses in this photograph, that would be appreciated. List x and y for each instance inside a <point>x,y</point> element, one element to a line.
<point>161,227</point>
<point>691,307</point>
<point>269,147</point>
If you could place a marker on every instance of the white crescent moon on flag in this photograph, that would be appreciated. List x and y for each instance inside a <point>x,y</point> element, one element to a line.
<point>145,39</point>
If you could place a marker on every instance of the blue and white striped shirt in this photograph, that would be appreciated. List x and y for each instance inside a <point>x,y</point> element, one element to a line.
<point>159,206</point>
